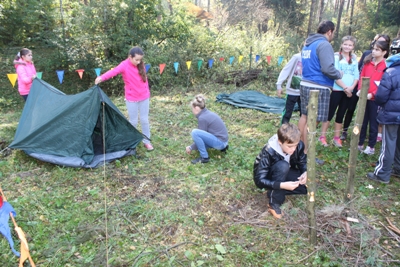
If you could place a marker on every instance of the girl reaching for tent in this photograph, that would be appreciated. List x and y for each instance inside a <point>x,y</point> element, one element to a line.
<point>137,92</point>
<point>25,70</point>
<point>211,132</point>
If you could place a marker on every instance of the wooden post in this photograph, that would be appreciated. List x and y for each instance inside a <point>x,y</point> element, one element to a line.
<point>355,137</point>
<point>312,112</point>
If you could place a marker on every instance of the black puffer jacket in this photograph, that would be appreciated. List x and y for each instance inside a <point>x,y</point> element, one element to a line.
<point>388,95</point>
<point>268,157</point>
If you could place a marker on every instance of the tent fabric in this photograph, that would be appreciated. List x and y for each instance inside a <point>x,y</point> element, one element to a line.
<point>254,100</point>
<point>69,129</point>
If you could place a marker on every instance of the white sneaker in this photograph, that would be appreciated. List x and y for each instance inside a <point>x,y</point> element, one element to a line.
<point>369,151</point>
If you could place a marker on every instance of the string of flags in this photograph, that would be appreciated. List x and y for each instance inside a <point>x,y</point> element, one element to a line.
<point>12,77</point>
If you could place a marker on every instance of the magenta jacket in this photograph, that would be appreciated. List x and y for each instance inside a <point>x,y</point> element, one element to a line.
<point>135,88</point>
<point>25,73</point>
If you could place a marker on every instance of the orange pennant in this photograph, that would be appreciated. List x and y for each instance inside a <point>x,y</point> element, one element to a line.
<point>80,72</point>
<point>24,248</point>
<point>162,66</point>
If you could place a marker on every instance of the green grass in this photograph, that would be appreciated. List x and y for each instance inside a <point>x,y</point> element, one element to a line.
<point>163,211</point>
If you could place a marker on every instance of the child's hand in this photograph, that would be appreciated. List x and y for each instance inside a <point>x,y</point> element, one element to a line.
<point>98,80</point>
<point>303,178</point>
<point>358,93</point>
<point>290,185</point>
<point>369,96</point>
<point>188,149</point>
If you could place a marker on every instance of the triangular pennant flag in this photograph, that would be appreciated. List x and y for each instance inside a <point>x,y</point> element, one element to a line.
<point>13,78</point>
<point>257,58</point>
<point>221,59</point>
<point>80,72</point>
<point>39,75</point>
<point>188,64</point>
<point>210,63</point>
<point>4,228</point>
<point>280,59</point>
<point>231,59</point>
<point>162,66</point>
<point>176,65</point>
<point>24,248</point>
<point>269,59</point>
<point>60,74</point>
<point>199,63</point>
<point>97,70</point>
<point>240,58</point>
<point>1,201</point>
<point>147,67</point>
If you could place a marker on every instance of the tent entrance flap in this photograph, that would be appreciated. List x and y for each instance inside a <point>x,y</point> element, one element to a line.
<point>73,130</point>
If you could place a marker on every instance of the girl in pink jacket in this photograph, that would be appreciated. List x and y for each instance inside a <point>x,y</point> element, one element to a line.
<point>137,93</point>
<point>26,71</point>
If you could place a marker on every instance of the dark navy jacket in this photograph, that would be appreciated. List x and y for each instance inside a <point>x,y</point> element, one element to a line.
<point>388,95</point>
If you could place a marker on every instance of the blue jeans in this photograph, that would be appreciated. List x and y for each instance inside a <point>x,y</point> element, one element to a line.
<point>204,140</point>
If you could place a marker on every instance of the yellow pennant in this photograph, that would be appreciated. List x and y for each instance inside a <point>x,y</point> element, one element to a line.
<point>13,78</point>
<point>188,63</point>
<point>240,58</point>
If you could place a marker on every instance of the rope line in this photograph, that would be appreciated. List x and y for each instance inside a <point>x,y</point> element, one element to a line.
<point>104,181</point>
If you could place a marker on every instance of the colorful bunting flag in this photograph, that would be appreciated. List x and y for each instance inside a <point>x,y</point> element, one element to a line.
<point>80,72</point>
<point>176,65</point>
<point>269,59</point>
<point>13,78</point>
<point>231,59</point>
<point>147,67</point>
<point>280,59</point>
<point>60,74</point>
<point>199,63</point>
<point>24,248</point>
<point>221,59</point>
<point>257,58</point>
<point>188,64</point>
<point>39,75</point>
<point>97,70</point>
<point>162,66</point>
<point>210,63</point>
<point>4,227</point>
<point>240,58</point>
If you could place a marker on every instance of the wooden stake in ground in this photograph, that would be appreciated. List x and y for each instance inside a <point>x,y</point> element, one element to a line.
<point>355,137</point>
<point>312,112</point>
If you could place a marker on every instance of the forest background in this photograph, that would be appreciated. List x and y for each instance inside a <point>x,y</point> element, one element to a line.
<point>163,210</point>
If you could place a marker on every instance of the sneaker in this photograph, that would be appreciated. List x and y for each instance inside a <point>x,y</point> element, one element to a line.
<point>343,136</point>
<point>395,173</point>
<point>200,160</point>
<point>361,148</point>
<point>372,176</point>
<point>275,210</point>
<point>379,139</point>
<point>369,151</point>
<point>337,142</point>
<point>322,139</point>
<point>149,147</point>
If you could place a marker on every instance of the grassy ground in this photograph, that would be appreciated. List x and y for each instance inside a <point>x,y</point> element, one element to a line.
<point>163,211</point>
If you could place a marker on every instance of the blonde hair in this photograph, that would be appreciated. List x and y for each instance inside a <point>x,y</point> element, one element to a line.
<point>198,101</point>
<point>344,39</point>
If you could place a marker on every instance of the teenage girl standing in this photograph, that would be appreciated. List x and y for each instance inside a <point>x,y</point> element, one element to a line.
<point>25,70</point>
<point>374,66</point>
<point>346,62</point>
<point>137,92</point>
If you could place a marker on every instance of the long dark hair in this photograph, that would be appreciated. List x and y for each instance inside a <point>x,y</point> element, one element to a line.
<point>384,46</point>
<point>142,70</point>
<point>23,52</point>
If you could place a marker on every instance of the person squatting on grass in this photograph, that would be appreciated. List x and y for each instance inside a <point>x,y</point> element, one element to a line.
<point>388,97</point>
<point>346,62</point>
<point>137,92</point>
<point>319,73</point>
<point>374,66</point>
<point>292,73</point>
<point>281,167</point>
<point>25,70</point>
<point>211,132</point>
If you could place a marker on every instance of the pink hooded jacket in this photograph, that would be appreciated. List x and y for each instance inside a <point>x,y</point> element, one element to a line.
<point>25,74</point>
<point>135,88</point>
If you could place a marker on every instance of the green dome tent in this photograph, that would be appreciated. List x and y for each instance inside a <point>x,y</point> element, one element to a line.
<point>73,130</point>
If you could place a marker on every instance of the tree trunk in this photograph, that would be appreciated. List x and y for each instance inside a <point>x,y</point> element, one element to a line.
<point>311,171</point>
<point>339,18</point>
<point>311,17</point>
<point>355,136</point>
<point>351,16</point>
<point>377,11</point>
<point>321,10</point>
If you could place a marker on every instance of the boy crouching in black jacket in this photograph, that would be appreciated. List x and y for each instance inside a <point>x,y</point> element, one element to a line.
<point>281,167</point>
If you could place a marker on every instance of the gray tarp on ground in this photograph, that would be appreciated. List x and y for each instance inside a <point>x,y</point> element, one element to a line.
<point>254,100</point>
